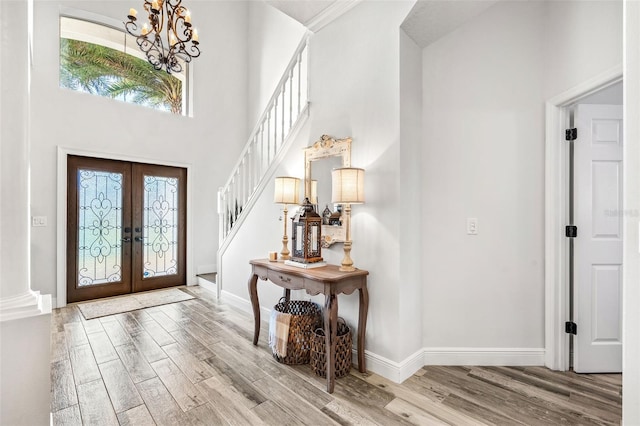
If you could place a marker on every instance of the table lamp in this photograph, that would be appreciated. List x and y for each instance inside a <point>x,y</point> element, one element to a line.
<point>286,192</point>
<point>347,187</point>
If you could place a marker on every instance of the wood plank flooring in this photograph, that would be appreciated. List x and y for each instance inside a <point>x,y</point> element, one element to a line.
<point>192,363</point>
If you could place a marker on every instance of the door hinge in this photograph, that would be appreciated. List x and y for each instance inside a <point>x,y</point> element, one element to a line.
<point>570,327</point>
<point>571,134</point>
<point>571,231</point>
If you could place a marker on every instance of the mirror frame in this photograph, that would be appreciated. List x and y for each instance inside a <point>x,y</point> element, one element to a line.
<point>327,147</point>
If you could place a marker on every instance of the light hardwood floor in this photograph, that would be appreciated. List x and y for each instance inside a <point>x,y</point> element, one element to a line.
<point>192,363</point>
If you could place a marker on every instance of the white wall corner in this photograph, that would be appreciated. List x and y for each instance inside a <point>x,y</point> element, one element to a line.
<point>397,372</point>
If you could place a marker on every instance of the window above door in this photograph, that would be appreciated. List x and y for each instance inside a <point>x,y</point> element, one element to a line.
<point>100,59</point>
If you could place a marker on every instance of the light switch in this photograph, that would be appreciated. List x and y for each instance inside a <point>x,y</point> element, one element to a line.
<point>472,226</point>
<point>38,221</point>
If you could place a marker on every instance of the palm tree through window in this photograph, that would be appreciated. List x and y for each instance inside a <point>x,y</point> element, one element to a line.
<point>100,60</point>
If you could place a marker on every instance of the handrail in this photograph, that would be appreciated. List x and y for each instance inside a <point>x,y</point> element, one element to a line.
<point>274,128</point>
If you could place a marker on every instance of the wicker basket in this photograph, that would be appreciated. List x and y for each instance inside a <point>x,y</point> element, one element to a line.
<point>344,342</point>
<point>305,317</point>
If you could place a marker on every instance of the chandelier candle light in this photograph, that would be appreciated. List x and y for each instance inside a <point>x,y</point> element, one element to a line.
<point>347,187</point>
<point>286,192</point>
<point>180,43</point>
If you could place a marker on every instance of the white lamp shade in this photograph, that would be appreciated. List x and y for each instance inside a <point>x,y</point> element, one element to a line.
<point>313,197</point>
<point>286,190</point>
<point>347,186</point>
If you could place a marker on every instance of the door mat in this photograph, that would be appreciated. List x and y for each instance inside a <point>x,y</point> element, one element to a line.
<point>131,302</point>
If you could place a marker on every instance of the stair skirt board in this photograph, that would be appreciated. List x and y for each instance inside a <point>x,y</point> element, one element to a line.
<point>208,285</point>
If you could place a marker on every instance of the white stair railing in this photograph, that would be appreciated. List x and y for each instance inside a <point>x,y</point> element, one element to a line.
<point>276,128</point>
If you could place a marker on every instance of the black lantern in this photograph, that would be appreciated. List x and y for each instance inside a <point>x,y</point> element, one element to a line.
<point>306,235</point>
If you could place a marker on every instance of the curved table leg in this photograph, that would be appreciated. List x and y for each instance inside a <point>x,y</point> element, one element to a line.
<point>253,292</point>
<point>362,326</point>
<point>331,332</point>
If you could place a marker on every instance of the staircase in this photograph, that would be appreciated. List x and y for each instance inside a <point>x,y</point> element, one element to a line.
<point>277,127</point>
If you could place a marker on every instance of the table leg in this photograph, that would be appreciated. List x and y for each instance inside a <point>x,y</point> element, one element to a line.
<point>253,292</point>
<point>331,332</point>
<point>362,326</point>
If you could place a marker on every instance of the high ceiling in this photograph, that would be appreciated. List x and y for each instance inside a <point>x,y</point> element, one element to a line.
<point>431,19</point>
<point>302,11</point>
<point>428,20</point>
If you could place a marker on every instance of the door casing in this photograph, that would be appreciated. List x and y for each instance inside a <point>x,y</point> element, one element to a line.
<point>61,213</point>
<point>556,213</point>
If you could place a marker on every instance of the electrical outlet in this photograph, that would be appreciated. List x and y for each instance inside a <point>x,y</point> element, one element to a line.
<point>38,221</point>
<point>472,226</point>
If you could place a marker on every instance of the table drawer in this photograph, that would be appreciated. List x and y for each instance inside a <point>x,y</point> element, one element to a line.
<point>285,280</point>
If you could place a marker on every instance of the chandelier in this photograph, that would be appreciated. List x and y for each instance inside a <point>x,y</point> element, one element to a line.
<point>178,46</point>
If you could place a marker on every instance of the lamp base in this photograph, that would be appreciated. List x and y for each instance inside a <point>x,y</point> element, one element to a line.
<point>285,253</point>
<point>347,263</point>
<point>346,269</point>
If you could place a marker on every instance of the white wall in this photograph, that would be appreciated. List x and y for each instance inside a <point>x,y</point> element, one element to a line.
<point>631,277</point>
<point>581,39</point>
<point>483,158</point>
<point>354,91</point>
<point>209,141</point>
<point>484,88</point>
<point>273,38</point>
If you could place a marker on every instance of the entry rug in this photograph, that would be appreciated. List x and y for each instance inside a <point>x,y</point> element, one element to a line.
<point>132,302</point>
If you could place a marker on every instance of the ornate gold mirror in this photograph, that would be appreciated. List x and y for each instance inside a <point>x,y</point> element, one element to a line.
<point>320,158</point>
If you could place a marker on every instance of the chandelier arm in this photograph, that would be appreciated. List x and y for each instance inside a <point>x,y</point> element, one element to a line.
<point>131,26</point>
<point>153,52</point>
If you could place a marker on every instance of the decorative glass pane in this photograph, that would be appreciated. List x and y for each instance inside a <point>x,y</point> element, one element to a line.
<point>99,227</point>
<point>160,226</point>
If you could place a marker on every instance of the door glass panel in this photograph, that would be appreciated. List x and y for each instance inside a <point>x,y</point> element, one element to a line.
<point>160,226</point>
<point>99,227</point>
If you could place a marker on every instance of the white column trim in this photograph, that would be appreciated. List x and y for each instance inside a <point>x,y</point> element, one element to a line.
<point>28,304</point>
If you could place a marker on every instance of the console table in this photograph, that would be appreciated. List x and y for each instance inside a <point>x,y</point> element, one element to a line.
<point>327,280</point>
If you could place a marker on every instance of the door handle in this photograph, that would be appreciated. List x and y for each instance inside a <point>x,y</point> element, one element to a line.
<point>138,239</point>
<point>126,240</point>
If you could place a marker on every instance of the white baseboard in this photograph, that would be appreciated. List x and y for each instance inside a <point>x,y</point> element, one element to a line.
<point>244,304</point>
<point>484,356</point>
<point>397,372</point>
<point>400,371</point>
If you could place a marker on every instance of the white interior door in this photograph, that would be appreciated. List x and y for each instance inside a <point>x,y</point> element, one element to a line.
<point>598,214</point>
